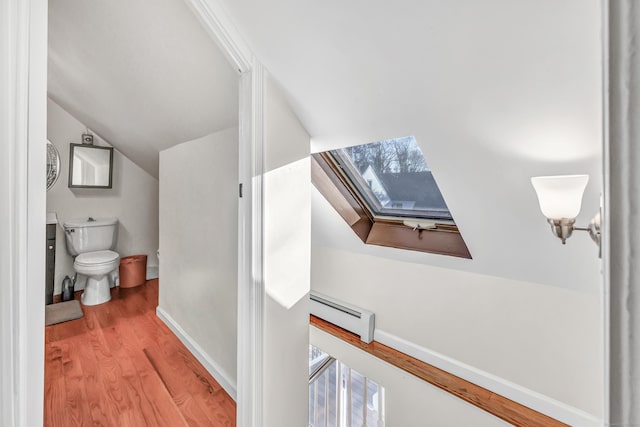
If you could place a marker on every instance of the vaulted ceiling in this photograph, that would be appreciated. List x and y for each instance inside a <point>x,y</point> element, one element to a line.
<point>143,75</point>
<point>495,91</point>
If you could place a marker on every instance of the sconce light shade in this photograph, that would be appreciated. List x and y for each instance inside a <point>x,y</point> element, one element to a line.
<point>560,196</point>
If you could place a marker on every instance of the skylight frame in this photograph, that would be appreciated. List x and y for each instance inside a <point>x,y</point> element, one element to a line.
<point>365,194</point>
<point>331,181</point>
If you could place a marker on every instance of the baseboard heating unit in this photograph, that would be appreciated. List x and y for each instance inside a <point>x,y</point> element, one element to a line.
<point>353,319</point>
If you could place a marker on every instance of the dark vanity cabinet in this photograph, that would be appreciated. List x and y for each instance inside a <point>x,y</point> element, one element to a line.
<point>51,262</point>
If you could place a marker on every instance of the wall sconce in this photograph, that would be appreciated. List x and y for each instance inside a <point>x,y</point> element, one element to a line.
<point>560,199</point>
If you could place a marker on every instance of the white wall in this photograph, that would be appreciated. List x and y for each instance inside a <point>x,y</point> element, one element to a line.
<point>140,85</point>
<point>495,91</point>
<point>133,198</point>
<point>540,337</point>
<point>287,242</point>
<point>199,249</point>
<point>507,91</point>
<point>409,401</point>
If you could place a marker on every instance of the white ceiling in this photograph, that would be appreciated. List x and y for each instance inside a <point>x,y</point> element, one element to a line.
<point>144,76</point>
<point>495,91</point>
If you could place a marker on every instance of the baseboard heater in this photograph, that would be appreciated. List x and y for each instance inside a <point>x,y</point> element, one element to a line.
<point>353,319</point>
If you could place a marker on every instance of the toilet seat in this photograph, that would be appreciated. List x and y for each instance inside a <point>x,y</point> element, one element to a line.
<point>96,259</point>
<point>97,266</point>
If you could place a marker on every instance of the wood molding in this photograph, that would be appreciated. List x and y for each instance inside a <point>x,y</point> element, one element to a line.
<point>435,242</point>
<point>445,240</point>
<point>339,196</point>
<point>495,404</point>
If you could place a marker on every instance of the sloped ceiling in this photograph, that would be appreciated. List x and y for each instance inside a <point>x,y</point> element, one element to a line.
<point>495,91</point>
<point>143,75</point>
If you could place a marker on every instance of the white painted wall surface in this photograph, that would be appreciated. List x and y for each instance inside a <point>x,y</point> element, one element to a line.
<point>409,400</point>
<point>157,74</point>
<point>495,91</point>
<point>287,245</point>
<point>133,198</point>
<point>543,338</point>
<point>199,247</point>
<point>490,103</point>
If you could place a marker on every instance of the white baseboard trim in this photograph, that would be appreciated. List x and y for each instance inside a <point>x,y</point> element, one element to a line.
<point>209,364</point>
<point>529,398</point>
<point>152,272</point>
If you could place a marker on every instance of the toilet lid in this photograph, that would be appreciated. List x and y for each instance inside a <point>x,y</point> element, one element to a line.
<point>98,257</point>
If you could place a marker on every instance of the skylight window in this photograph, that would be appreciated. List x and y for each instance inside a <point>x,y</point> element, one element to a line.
<point>387,195</point>
<point>393,178</point>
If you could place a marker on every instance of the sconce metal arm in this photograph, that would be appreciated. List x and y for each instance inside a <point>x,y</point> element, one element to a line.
<point>563,228</point>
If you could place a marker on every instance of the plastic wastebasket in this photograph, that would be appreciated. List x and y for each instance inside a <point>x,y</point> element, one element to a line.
<point>133,271</point>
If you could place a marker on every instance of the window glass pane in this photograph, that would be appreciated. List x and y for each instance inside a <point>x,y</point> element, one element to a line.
<point>394,179</point>
<point>316,358</point>
<point>342,397</point>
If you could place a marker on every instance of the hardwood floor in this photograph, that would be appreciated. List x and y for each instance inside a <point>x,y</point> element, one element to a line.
<point>119,365</point>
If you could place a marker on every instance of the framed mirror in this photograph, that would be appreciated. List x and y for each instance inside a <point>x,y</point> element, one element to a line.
<point>53,165</point>
<point>90,166</point>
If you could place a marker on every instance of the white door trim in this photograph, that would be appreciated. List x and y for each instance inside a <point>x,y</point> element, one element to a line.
<point>251,291</point>
<point>23,85</point>
<point>218,24</point>
<point>22,213</point>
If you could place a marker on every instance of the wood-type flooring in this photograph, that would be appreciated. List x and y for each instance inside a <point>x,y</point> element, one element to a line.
<point>119,365</point>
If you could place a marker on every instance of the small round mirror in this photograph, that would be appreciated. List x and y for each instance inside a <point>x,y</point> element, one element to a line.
<point>53,165</point>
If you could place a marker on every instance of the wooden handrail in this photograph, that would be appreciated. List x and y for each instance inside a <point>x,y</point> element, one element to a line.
<point>495,404</point>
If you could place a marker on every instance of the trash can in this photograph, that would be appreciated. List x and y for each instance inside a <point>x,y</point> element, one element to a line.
<point>133,271</point>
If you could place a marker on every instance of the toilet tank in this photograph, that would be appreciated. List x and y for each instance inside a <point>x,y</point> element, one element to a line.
<point>90,235</point>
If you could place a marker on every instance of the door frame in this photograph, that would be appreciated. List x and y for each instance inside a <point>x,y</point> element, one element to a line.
<point>251,290</point>
<point>23,116</point>
<point>23,126</point>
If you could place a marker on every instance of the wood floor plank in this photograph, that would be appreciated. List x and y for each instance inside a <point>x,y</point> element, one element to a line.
<point>101,409</point>
<point>54,390</point>
<point>192,411</point>
<point>77,406</point>
<point>55,403</point>
<point>181,385</point>
<point>65,330</point>
<point>78,412</point>
<point>165,410</point>
<point>97,372</point>
<point>108,372</point>
<point>124,353</point>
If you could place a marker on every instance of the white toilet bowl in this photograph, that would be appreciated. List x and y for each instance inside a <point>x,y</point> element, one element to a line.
<point>97,266</point>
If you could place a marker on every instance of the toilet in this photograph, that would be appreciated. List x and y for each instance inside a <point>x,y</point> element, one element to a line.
<point>91,242</point>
